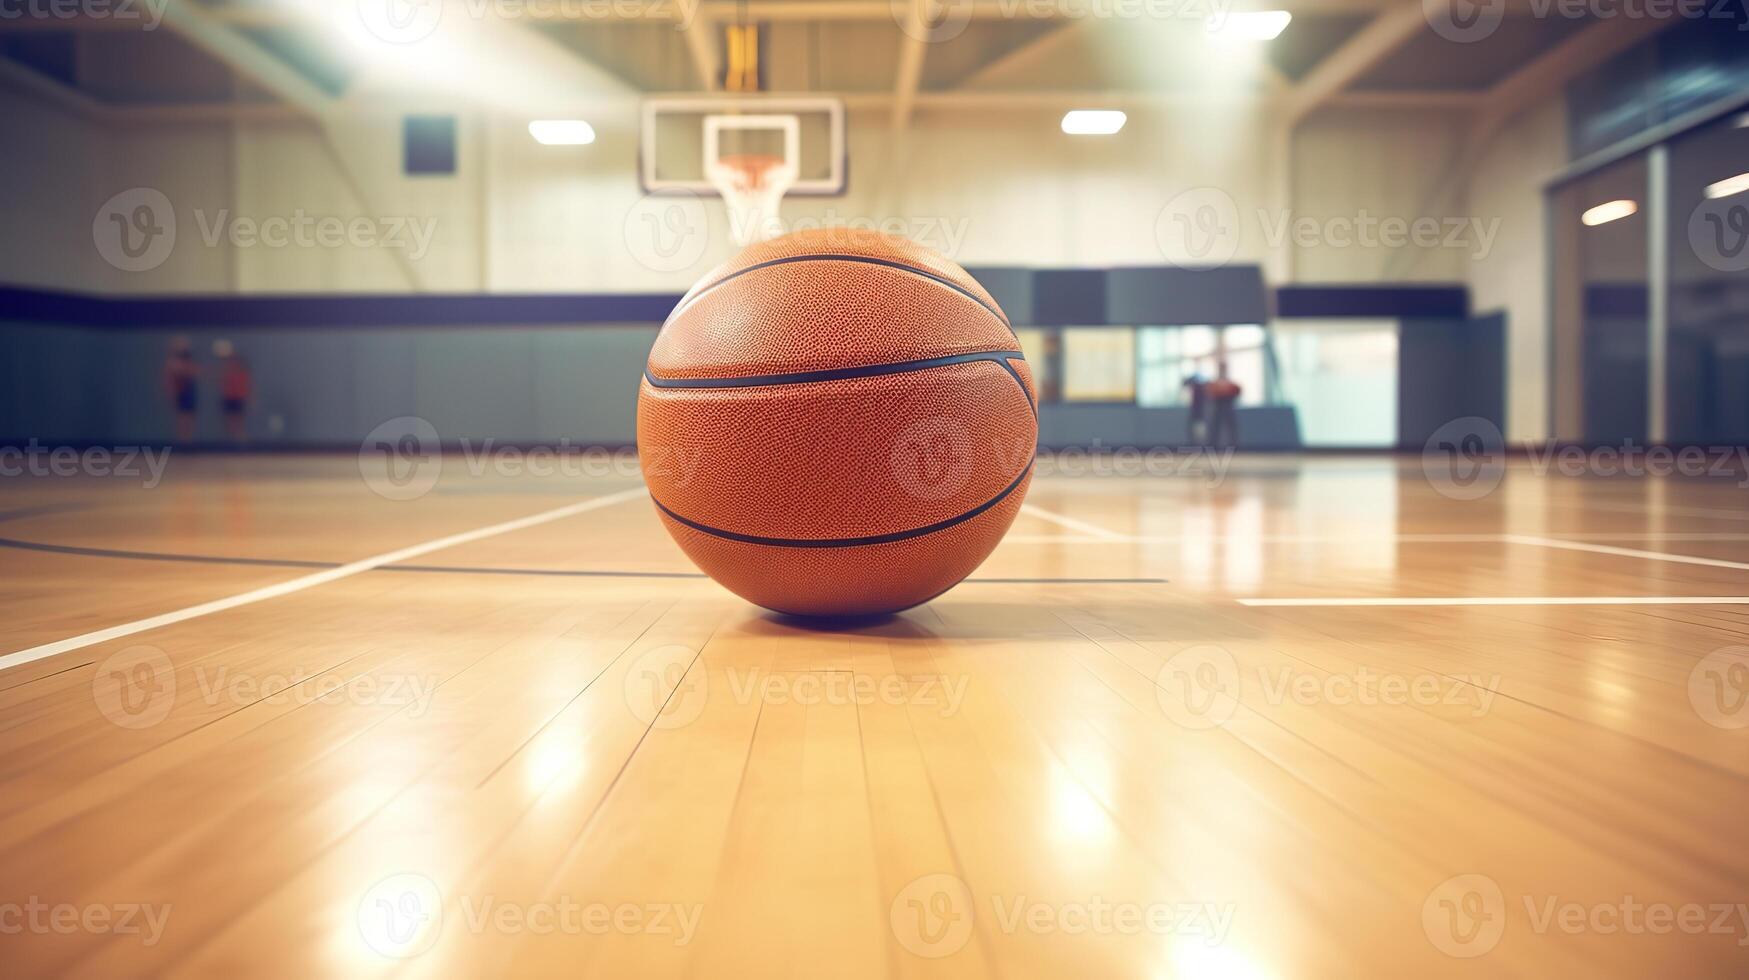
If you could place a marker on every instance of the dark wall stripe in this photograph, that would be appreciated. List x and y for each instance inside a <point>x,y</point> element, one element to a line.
<point>834,374</point>
<point>864,259</point>
<point>1372,301</point>
<point>849,542</point>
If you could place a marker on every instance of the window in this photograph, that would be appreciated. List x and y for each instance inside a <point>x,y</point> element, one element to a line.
<point>1099,364</point>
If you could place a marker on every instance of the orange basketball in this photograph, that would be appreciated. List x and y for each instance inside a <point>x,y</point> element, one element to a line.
<point>837,423</point>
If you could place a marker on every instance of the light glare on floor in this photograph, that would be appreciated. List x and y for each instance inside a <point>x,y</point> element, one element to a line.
<point>1251,25</point>
<point>1093,122</point>
<point>561,132</point>
<point>1608,211</point>
<point>1727,187</point>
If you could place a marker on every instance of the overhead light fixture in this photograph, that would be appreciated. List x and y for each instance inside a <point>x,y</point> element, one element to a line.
<point>561,132</point>
<point>1093,122</point>
<point>1251,25</point>
<point>1608,211</point>
<point>1727,187</point>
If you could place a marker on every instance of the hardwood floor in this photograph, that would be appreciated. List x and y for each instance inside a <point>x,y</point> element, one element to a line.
<point>261,717</point>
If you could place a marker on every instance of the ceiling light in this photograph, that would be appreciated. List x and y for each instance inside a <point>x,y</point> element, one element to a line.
<point>1727,187</point>
<point>1251,25</point>
<point>1608,211</point>
<point>561,132</point>
<point>1093,122</point>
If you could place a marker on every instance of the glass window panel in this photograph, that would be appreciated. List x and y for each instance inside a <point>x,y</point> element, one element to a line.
<point>1341,377</point>
<point>1099,364</point>
<point>1707,366</point>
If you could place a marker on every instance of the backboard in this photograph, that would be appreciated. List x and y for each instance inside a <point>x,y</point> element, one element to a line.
<point>682,138</point>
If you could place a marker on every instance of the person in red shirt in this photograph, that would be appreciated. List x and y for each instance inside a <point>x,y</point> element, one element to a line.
<point>182,384</point>
<point>1224,395</point>
<point>235,388</point>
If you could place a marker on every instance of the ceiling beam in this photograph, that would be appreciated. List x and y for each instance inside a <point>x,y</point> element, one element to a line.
<point>1538,80</point>
<point>200,29</point>
<point>799,10</point>
<point>909,78</point>
<point>1382,36</point>
<point>701,42</point>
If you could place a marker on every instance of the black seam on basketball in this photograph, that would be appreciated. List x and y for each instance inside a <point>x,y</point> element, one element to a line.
<point>1007,365</point>
<point>836,374</point>
<point>838,257</point>
<point>849,542</point>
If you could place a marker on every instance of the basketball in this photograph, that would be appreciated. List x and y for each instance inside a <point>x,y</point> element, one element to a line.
<point>837,423</point>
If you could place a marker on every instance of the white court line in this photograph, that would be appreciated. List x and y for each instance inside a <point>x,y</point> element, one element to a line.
<point>312,580</point>
<point>1604,549</point>
<point>1531,600</point>
<point>1072,524</point>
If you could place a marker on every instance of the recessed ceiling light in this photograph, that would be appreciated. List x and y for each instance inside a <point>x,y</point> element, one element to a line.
<point>1608,211</point>
<point>1727,187</point>
<point>1251,25</point>
<point>1093,122</point>
<point>561,132</point>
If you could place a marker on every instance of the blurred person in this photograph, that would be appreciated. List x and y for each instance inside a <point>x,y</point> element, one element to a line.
<point>182,384</point>
<point>236,386</point>
<point>1224,396</point>
<point>1197,427</point>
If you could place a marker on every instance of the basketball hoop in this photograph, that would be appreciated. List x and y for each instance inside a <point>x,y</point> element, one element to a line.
<point>752,184</point>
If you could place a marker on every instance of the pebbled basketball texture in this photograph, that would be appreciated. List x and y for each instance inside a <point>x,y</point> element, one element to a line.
<point>837,423</point>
